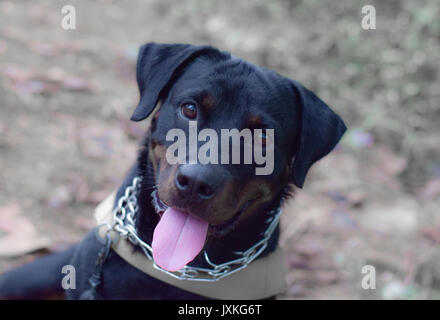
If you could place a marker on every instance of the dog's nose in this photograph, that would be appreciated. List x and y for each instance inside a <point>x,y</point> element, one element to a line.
<point>199,182</point>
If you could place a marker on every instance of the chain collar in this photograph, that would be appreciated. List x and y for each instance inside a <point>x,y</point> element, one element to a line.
<point>124,216</point>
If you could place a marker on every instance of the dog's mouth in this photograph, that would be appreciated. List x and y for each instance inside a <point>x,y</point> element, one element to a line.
<point>215,231</point>
<point>180,236</point>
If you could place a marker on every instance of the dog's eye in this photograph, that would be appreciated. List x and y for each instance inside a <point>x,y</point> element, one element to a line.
<point>189,110</point>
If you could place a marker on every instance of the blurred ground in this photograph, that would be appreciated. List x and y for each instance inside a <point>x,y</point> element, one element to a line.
<point>66,142</point>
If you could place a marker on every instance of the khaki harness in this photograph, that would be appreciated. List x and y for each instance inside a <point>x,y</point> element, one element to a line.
<point>262,278</point>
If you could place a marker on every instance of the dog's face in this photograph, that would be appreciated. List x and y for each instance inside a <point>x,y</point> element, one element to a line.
<point>223,95</point>
<point>210,89</point>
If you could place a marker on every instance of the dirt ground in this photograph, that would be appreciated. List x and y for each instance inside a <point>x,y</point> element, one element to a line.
<point>66,140</point>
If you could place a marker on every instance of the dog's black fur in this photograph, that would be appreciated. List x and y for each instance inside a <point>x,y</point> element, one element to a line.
<point>228,91</point>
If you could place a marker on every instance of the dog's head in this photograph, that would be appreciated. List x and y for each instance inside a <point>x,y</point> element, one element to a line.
<point>206,96</point>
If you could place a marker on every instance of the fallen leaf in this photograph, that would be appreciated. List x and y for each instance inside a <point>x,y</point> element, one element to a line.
<point>3,47</point>
<point>25,81</point>
<point>76,84</point>
<point>432,233</point>
<point>431,190</point>
<point>21,236</point>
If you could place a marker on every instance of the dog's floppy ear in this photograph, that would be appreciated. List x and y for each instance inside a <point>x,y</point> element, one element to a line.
<point>321,129</point>
<point>157,66</point>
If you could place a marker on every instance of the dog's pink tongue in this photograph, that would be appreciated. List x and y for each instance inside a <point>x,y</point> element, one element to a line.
<point>177,239</point>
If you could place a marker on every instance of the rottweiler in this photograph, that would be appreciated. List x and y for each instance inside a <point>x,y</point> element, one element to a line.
<point>188,210</point>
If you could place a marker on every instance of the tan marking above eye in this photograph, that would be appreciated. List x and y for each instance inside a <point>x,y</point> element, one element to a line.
<point>208,101</point>
<point>254,121</point>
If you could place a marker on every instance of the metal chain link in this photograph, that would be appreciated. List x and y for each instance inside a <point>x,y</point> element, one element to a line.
<point>124,216</point>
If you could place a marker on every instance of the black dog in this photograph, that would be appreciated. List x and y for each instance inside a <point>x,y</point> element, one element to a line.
<point>230,201</point>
